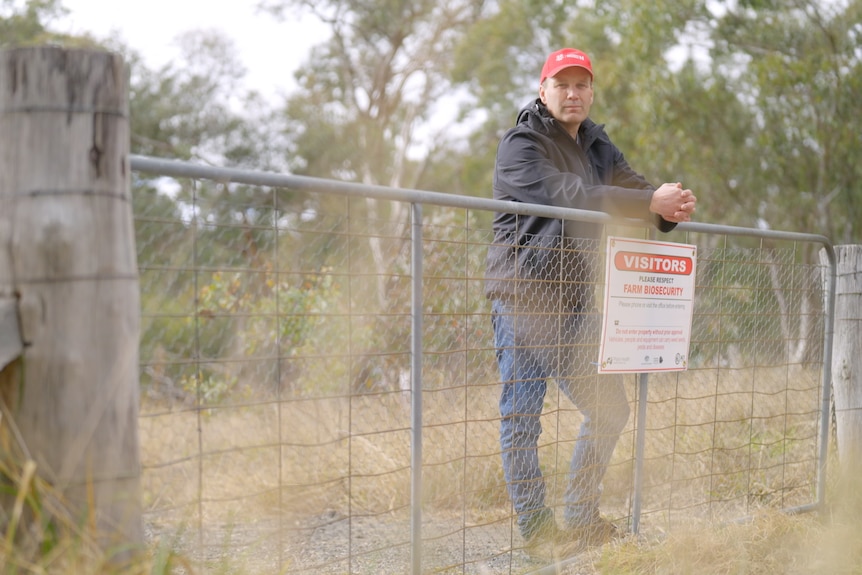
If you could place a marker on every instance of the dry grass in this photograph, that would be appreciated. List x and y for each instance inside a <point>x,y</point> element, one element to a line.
<point>721,445</point>
<point>772,543</point>
<point>43,534</point>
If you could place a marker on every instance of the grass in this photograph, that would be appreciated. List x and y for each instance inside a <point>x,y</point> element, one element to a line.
<point>772,543</point>
<point>41,533</point>
<point>238,478</point>
<point>721,445</point>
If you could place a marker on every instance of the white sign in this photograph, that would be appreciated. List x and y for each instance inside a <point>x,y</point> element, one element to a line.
<point>648,304</point>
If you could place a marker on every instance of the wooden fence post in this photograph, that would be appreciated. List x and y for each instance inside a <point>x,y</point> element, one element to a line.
<point>67,258</point>
<point>847,356</point>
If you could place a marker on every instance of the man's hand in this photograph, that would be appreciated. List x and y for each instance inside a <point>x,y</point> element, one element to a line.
<point>673,203</point>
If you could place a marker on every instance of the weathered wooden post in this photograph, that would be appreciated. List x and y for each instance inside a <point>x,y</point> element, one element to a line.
<point>67,261</point>
<point>847,356</point>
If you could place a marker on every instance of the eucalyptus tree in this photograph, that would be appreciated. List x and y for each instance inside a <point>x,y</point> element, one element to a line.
<point>200,238</point>
<point>372,96</point>
<point>195,108</point>
<point>374,103</point>
<point>797,66</point>
<point>27,22</point>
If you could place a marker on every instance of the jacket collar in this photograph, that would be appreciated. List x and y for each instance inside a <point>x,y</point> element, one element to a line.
<point>537,117</point>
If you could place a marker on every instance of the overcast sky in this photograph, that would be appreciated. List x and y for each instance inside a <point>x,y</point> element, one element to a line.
<point>269,49</point>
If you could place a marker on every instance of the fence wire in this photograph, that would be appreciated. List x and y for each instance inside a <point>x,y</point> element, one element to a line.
<point>277,391</point>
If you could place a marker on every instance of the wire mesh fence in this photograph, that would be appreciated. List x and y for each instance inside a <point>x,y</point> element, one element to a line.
<point>279,429</point>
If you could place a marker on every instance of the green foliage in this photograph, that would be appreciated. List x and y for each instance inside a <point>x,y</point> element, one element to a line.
<point>752,104</point>
<point>236,314</point>
<point>366,89</point>
<point>26,25</point>
<point>260,317</point>
<point>186,109</point>
<point>798,69</point>
<point>292,300</point>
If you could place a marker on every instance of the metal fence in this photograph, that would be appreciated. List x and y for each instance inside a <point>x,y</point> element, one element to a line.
<point>287,321</point>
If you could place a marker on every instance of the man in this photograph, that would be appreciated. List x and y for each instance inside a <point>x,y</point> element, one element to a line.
<point>541,275</point>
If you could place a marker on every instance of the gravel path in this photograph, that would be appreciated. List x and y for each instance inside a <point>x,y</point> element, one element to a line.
<point>333,545</point>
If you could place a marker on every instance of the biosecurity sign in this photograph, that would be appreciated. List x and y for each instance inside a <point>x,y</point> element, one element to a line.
<point>648,305</point>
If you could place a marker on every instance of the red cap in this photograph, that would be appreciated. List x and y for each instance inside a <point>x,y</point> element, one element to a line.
<point>565,58</point>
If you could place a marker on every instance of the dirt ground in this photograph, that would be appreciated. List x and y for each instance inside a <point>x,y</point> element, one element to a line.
<point>333,545</point>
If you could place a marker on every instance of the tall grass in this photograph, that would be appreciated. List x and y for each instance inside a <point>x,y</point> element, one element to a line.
<point>721,444</point>
<point>42,533</point>
<point>772,543</point>
<point>224,483</point>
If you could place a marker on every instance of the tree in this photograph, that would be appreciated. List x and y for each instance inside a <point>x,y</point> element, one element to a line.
<point>364,97</point>
<point>27,23</point>
<point>194,109</point>
<point>379,77</point>
<point>797,67</point>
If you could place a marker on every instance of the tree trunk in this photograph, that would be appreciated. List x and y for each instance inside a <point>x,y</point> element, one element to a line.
<point>847,356</point>
<point>67,258</point>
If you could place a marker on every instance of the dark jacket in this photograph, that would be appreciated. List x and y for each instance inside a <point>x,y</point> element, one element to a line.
<point>550,263</point>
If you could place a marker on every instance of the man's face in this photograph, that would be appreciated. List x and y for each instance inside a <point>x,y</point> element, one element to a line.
<point>568,97</point>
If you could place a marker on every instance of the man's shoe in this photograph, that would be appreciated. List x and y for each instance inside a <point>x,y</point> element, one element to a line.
<point>540,529</point>
<point>574,540</point>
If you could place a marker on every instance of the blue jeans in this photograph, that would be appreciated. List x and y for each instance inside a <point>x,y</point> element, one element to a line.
<point>531,347</point>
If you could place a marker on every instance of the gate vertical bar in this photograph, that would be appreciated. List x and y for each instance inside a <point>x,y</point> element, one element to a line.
<point>640,448</point>
<point>416,395</point>
<point>826,394</point>
<point>640,436</point>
